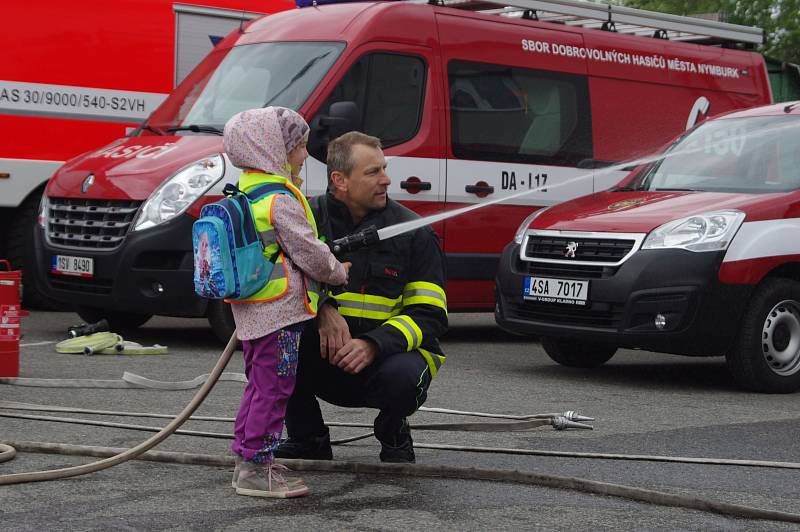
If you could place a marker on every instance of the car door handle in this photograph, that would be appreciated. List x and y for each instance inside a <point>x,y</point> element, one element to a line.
<point>479,189</point>
<point>415,185</point>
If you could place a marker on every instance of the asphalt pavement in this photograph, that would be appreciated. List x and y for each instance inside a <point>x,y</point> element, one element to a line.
<point>644,404</point>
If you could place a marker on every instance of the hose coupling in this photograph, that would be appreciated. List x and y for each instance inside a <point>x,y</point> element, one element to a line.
<point>86,329</point>
<point>356,241</point>
<point>562,423</point>
<point>571,415</point>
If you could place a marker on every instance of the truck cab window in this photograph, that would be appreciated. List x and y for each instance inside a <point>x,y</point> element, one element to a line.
<point>501,113</point>
<point>388,90</point>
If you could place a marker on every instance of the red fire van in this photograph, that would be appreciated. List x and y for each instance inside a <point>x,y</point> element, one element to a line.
<point>472,103</point>
<point>77,75</point>
<point>694,253</point>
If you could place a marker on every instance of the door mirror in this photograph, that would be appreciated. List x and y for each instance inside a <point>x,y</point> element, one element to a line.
<point>342,117</point>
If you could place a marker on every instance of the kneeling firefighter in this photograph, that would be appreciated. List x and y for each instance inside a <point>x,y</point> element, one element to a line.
<point>374,341</point>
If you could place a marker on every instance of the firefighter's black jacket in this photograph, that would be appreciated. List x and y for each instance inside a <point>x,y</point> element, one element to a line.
<point>395,294</point>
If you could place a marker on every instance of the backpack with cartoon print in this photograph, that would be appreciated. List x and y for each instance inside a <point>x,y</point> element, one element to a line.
<point>229,260</point>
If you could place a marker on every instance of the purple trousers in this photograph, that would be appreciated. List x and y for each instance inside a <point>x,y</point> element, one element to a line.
<point>270,363</point>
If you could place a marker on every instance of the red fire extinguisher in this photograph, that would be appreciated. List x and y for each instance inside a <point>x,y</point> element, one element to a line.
<point>10,316</point>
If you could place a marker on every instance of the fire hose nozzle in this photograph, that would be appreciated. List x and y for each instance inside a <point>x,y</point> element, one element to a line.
<point>355,241</point>
<point>571,415</point>
<point>87,329</point>
<point>561,423</point>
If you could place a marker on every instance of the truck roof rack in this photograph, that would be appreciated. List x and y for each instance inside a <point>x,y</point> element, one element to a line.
<point>620,19</point>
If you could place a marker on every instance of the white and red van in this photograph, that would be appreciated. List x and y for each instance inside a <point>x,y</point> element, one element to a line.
<point>470,106</point>
<point>77,75</point>
<point>694,253</point>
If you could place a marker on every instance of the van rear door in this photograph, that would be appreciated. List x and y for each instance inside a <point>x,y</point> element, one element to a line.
<point>517,120</point>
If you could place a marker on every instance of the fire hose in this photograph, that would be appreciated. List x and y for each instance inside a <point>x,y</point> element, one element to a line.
<point>116,456</point>
<point>146,445</point>
<point>481,427</point>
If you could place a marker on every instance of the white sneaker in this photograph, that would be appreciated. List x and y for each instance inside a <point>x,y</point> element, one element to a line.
<point>268,480</point>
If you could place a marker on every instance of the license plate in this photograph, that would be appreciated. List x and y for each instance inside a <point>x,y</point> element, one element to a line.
<point>68,265</point>
<point>562,291</point>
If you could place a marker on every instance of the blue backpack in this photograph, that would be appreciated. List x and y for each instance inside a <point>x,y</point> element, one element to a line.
<point>229,260</point>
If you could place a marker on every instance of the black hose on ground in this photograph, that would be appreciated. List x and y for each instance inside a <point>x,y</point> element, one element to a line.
<point>464,473</point>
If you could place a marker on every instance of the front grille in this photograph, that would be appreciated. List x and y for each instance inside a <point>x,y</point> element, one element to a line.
<point>89,223</point>
<point>597,315</point>
<point>86,285</point>
<point>567,271</point>
<point>608,250</point>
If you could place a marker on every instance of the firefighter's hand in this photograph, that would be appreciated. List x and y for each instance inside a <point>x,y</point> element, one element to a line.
<point>355,355</point>
<point>333,331</point>
<point>347,266</point>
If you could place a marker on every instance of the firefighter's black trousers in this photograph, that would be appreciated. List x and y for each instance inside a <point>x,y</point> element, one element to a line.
<point>396,385</point>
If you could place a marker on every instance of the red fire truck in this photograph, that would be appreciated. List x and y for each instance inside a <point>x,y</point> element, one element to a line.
<point>74,76</point>
<point>473,102</point>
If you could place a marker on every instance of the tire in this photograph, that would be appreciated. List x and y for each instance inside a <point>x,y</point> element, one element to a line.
<point>577,354</point>
<point>220,318</point>
<point>766,356</point>
<point>117,321</point>
<point>21,254</point>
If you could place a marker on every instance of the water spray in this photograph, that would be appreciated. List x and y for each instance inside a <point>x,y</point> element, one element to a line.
<point>371,235</point>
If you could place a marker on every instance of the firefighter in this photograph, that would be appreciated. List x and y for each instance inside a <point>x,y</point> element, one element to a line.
<point>375,340</point>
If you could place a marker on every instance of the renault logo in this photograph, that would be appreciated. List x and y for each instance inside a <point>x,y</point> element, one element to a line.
<point>570,249</point>
<point>87,183</point>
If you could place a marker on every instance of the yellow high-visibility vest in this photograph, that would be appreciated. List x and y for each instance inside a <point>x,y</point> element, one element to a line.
<point>278,283</point>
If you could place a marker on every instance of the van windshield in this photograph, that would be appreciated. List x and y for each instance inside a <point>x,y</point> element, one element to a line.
<point>745,155</point>
<point>244,77</point>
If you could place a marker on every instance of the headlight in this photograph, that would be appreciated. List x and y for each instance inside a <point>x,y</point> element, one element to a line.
<point>44,206</point>
<point>177,193</point>
<point>711,231</point>
<point>520,234</point>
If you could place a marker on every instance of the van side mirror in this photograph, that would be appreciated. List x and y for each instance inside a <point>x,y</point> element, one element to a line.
<point>341,118</point>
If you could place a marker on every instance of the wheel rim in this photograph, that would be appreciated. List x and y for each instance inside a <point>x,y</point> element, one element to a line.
<point>780,338</point>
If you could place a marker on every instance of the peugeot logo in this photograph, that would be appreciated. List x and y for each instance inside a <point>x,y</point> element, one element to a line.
<point>87,183</point>
<point>570,249</point>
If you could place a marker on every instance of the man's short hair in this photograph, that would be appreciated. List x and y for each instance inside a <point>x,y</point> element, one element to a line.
<point>340,151</point>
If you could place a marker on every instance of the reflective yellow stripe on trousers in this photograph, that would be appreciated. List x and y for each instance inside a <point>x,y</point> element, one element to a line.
<point>434,361</point>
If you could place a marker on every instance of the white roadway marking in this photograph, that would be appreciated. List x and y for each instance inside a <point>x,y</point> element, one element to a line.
<point>37,343</point>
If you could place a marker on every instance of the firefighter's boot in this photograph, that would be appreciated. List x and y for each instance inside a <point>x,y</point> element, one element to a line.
<point>396,445</point>
<point>315,448</point>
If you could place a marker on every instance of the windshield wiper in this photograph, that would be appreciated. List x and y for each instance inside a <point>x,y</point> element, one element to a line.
<point>148,127</point>
<point>300,74</point>
<point>196,128</point>
<point>667,189</point>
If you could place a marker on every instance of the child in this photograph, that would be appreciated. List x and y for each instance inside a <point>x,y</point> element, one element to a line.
<point>269,145</point>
